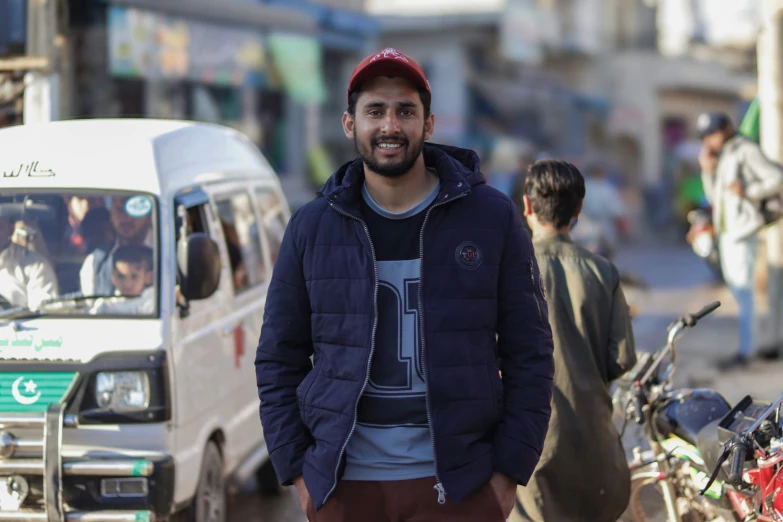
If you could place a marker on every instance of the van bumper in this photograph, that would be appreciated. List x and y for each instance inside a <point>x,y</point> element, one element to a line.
<point>89,489</point>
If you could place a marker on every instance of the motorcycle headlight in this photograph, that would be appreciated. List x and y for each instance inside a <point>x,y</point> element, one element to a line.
<point>122,390</point>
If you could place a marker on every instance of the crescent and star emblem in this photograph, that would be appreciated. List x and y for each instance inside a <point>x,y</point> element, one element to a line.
<point>29,387</point>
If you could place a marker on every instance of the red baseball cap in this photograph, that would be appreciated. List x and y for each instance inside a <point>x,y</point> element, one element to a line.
<point>389,62</point>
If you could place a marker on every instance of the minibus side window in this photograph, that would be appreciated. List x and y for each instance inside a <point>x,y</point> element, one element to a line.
<point>273,216</point>
<point>240,232</point>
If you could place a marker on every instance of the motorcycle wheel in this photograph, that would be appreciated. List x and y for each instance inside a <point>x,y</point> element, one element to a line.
<point>646,503</point>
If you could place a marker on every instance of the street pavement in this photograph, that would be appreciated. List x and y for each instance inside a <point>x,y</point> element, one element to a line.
<point>249,506</point>
<point>679,283</point>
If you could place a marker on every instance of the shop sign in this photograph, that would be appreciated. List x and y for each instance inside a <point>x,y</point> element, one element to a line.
<point>145,44</point>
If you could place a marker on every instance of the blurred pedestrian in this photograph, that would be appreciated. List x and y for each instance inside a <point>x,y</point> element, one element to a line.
<point>405,281</point>
<point>594,345</point>
<point>604,218</point>
<point>736,177</point>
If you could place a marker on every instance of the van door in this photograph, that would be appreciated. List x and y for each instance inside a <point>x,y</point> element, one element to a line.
<point>250,281</point>
<point>201,353</point>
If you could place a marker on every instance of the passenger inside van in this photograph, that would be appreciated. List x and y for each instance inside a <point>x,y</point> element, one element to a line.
<point>96,272</point>
<point>234,247</point>
<point>132,276</point>
<point>78,207</point>
<point>96,229</point>
<point>26,276</point>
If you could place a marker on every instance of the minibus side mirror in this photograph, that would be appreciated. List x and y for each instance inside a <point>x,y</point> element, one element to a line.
<point>198,261</point>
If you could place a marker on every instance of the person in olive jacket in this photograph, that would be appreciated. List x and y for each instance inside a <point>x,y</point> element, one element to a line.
<point>582,475</point>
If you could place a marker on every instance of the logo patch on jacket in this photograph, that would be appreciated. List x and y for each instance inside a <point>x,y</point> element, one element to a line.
<point>469,255</point>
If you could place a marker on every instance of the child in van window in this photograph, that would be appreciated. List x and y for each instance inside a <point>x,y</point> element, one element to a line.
<point>132,270</point>
<point>132,276</point>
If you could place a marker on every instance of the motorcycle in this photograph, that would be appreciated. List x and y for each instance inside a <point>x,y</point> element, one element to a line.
<point>676,424</point>
<point>747,452</point>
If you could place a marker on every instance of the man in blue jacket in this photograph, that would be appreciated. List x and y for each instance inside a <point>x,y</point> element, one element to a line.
<point>406,281</point>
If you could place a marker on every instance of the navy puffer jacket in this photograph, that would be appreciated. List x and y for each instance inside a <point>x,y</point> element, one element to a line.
<point>482,301</point>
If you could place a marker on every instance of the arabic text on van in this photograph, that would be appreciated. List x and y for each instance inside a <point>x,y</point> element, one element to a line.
<point>30,341</point>
<point>31,169</point>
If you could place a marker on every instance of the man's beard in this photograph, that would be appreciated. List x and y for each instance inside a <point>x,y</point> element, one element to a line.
<point>390,170</point>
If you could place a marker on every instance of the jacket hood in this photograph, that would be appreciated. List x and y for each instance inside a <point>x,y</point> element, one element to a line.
<point>454,166</point>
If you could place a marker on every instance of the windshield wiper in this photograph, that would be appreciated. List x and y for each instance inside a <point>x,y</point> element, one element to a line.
<point>18,312</point>
<point>79,298</point>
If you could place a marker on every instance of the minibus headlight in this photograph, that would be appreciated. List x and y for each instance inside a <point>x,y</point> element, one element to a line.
<point>122,390</point>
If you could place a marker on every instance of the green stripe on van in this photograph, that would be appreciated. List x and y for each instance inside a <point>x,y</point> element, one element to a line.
<point>33,391</point>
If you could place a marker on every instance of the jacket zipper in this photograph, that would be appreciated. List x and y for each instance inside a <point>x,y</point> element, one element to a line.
<point>535,295</point>
<point>372,347</point>
<point>439,485</point>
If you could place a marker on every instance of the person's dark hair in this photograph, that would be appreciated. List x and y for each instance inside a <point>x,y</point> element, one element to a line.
<point>134,255</point>
<point>353,97</point>
<point>555,189</point>
<point>91,227</point>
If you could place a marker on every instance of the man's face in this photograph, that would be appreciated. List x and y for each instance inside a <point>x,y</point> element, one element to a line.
<point>130,278</point>
<point>389,127</point>
<point>128,228</point>
<point>715,141</point>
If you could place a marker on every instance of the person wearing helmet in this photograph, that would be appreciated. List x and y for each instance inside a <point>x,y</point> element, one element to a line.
<point>737,178</point>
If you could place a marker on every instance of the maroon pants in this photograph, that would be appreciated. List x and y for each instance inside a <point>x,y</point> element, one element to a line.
<point>404,501</point>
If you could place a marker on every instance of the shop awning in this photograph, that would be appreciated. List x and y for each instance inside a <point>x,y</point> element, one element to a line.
<point>344,29</point>
<point>254,15</point>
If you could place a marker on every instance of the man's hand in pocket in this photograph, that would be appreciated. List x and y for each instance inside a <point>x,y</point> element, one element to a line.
<point>301,490</point>
<point>505,489</point>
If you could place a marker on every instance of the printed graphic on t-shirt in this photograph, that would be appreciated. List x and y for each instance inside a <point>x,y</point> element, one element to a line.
<point>395,395</point>
<point>392,437</point>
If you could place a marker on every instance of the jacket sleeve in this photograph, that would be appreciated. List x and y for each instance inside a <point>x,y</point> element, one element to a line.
<point>622,351</point>
<point>525,349</point>
<point>41,283</point>
<point>766,176</point>
<point>283,360</point>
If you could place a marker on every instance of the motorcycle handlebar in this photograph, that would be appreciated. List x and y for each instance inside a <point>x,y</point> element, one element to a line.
<point>737,463</point>
<point>690,320</point>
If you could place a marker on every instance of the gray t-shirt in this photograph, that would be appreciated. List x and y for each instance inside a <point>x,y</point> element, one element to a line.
<point>392,438</point>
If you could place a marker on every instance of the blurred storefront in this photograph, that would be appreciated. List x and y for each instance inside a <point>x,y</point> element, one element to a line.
<point>494,81</point>
<point>264,68</point>
<point>185,60</point>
